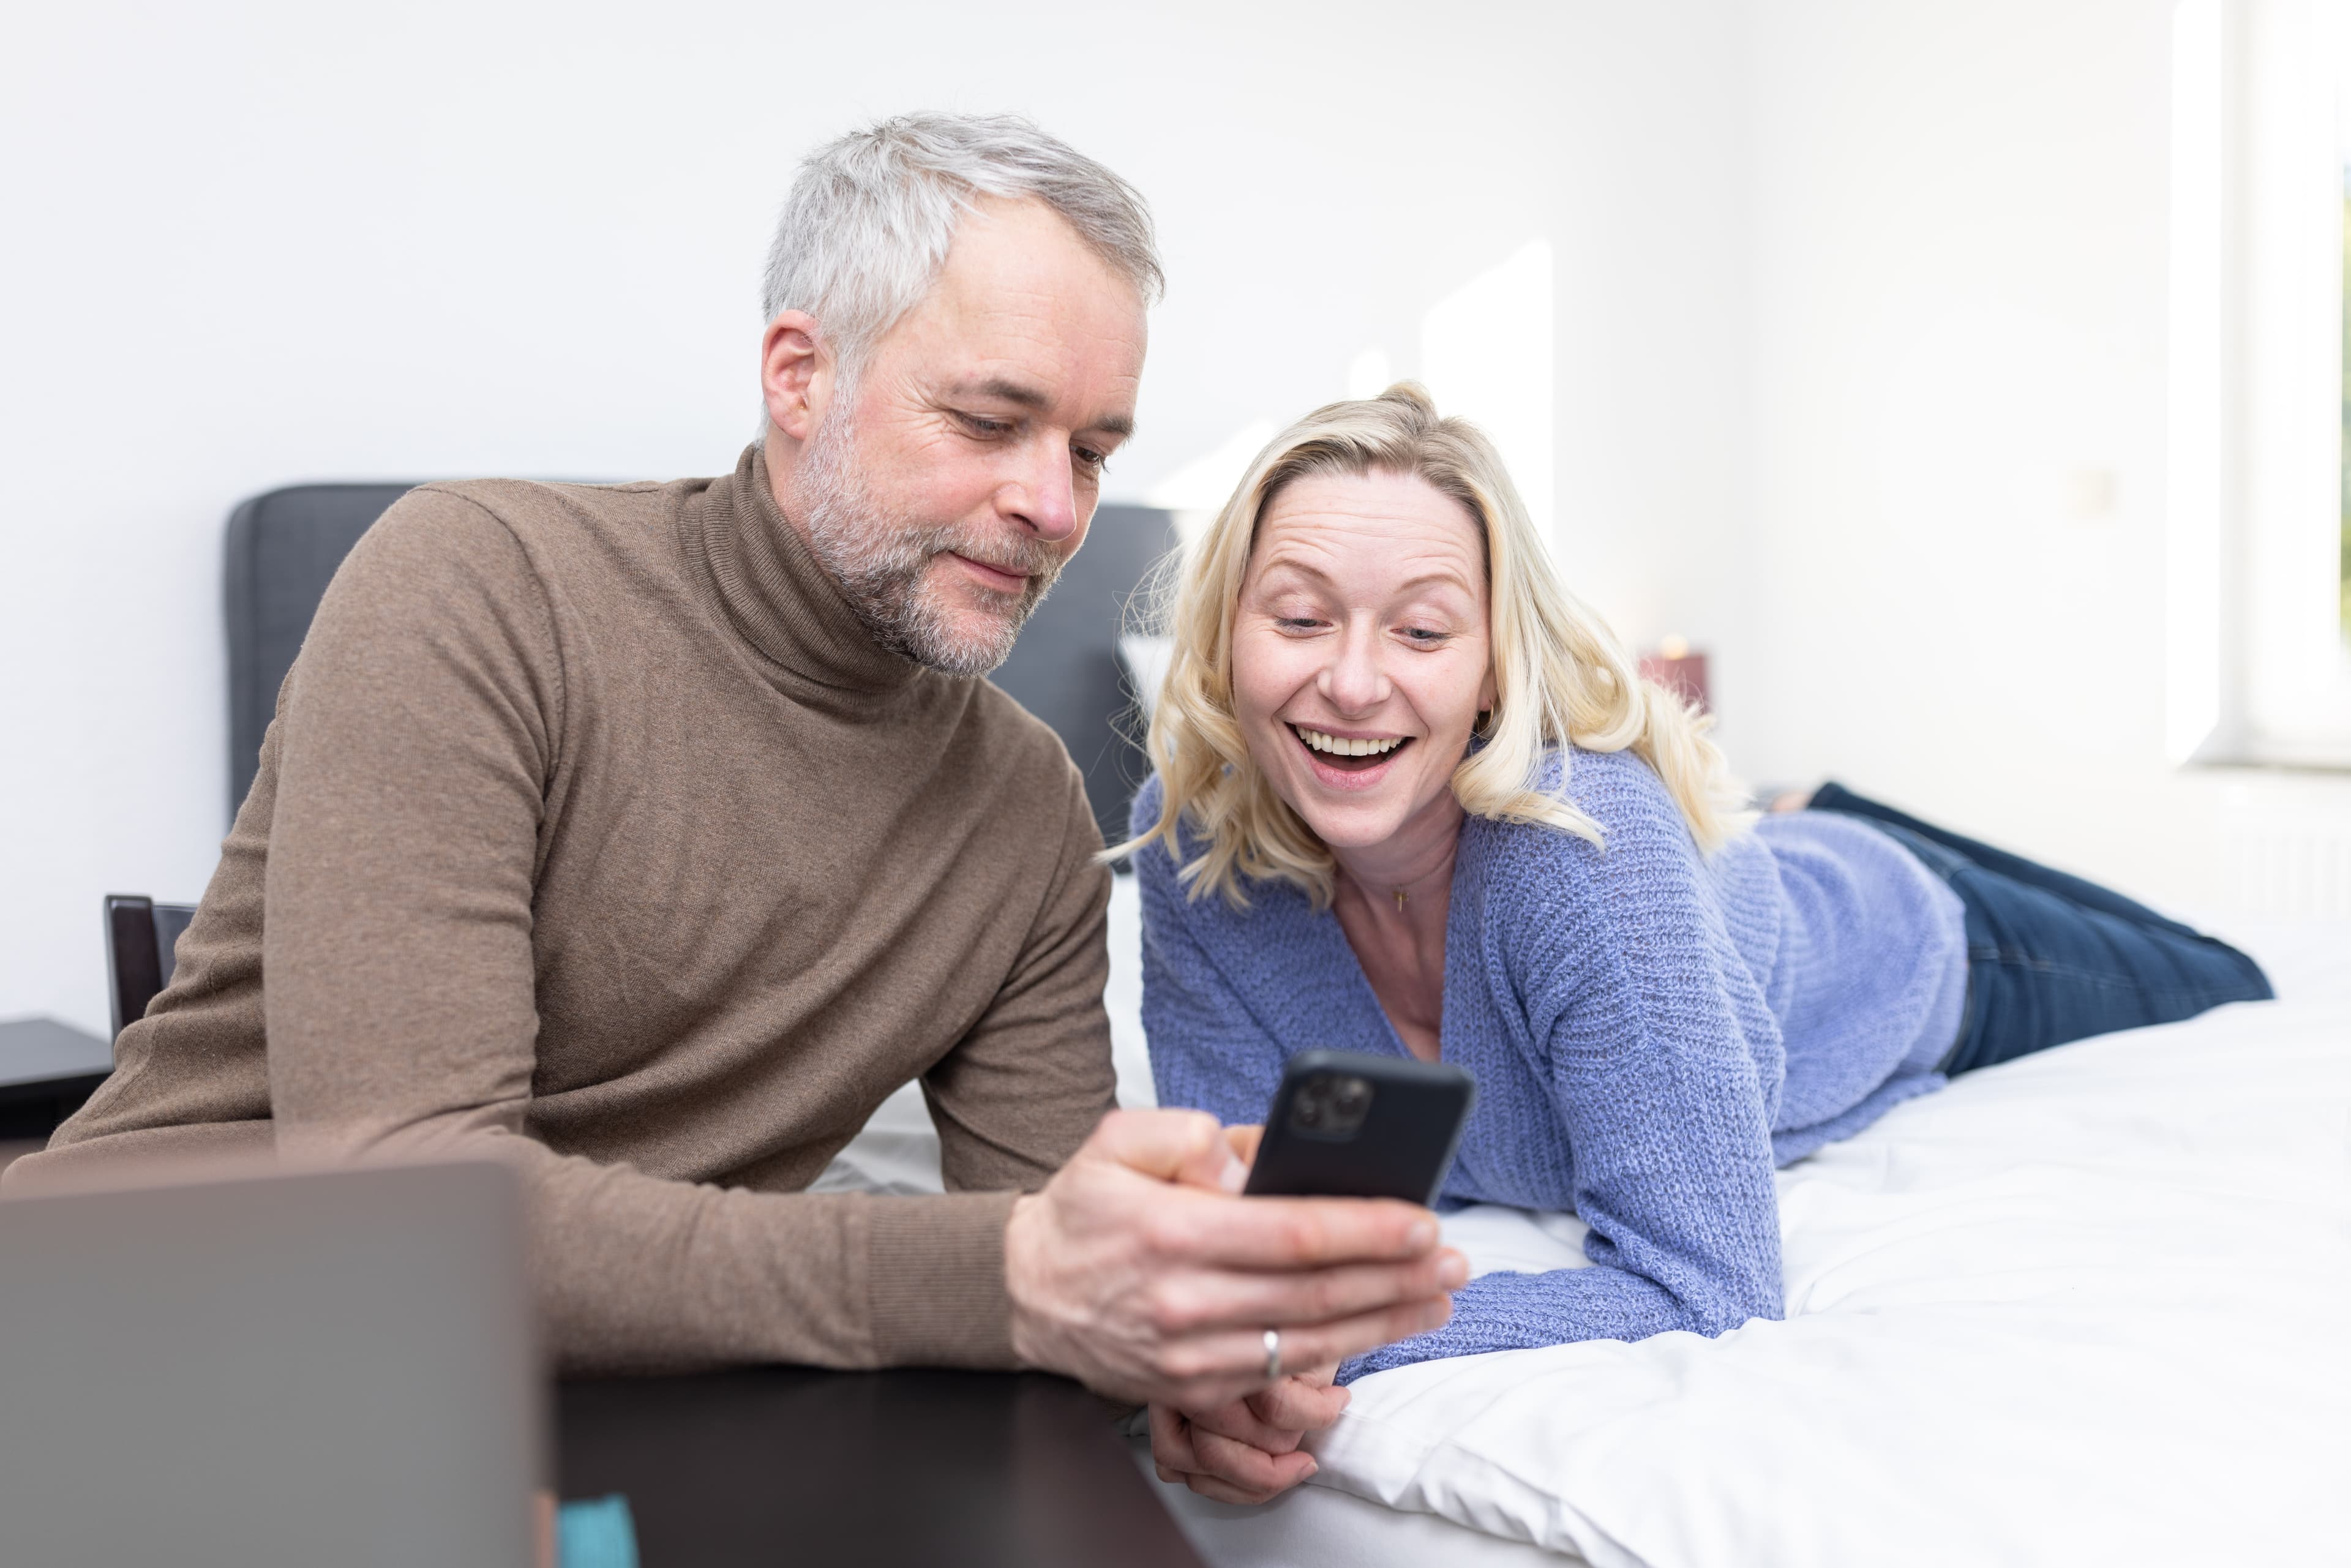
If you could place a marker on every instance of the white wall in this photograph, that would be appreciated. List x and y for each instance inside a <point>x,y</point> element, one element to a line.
<point>1960,220</point>
<point>252,244</point>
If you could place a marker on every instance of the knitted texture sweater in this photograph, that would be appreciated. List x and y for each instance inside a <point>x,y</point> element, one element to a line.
<point>1651,1031</point>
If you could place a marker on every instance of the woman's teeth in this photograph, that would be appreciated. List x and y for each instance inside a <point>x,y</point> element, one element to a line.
<point>1339,746</point>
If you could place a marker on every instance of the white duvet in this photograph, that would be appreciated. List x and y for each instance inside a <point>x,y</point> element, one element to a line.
<point>2092,1307</point>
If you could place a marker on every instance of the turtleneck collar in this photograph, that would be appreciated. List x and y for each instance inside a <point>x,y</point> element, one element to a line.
<point>775,593</point>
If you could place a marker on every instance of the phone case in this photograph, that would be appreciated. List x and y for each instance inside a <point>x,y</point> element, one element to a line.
<point>1348,1124</point>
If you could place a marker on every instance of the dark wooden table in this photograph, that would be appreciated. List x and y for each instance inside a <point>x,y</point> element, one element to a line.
<point>46,1069</point>
<point>777,1465</point>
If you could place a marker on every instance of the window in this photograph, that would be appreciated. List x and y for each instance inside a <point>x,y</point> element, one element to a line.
<point>2343,553</point>
<point>2260,546</point>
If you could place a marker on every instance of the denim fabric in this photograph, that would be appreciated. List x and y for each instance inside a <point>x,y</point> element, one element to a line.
<point>2052,958</point>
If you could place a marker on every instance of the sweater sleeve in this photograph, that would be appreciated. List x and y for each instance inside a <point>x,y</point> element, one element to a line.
<point>1637,1005</point>
<point>1020,1092</point>
<point>418,737</point>
<point>1208,1051</point>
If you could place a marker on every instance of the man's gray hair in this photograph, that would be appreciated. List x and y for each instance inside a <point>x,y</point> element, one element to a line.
<point>869,218</point>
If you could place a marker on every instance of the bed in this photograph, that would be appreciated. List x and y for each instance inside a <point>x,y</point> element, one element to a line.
<point>2093,1306</point>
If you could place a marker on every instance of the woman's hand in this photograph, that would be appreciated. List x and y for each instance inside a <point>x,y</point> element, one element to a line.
<point>1247,1451</point>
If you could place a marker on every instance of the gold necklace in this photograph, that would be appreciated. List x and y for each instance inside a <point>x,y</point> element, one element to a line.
<point>1401,893</point>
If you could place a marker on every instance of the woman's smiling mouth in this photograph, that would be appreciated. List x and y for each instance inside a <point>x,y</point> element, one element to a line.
<point>1348,754</point>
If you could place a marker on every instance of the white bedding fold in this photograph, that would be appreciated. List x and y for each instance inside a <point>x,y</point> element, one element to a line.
<point>2089,1307</point>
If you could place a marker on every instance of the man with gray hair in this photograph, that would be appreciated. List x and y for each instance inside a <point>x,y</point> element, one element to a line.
<point>650,835</point>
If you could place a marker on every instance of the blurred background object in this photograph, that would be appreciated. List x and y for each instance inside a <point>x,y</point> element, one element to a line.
<point>1679,668</point>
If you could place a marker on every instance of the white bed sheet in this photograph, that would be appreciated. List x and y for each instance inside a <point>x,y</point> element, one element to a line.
<point>2089,1307</point>
<point>2094,1306</point>
<point>1316,1524</point>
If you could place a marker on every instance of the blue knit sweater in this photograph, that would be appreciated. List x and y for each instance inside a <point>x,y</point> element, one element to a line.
<point>1651,1032</point>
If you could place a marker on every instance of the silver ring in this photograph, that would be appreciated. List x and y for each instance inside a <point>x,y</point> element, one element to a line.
<point>1273,1355</point>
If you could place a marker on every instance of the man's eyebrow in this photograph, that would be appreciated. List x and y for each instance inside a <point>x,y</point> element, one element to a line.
<point>1020,396</point>
<point>1003,390</point>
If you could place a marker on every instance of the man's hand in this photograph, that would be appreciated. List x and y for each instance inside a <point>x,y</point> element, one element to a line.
<point>1247,1451</point>
<point>1139,1273</point>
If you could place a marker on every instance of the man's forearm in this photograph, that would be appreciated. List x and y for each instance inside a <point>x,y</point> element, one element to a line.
<point>634,1272</point>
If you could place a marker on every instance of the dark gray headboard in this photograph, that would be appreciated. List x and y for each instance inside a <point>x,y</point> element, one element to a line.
<point>1065,669</point>
<point>283,547</point>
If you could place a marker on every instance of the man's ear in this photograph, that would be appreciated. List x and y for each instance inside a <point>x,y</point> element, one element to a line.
<point>796,373</point>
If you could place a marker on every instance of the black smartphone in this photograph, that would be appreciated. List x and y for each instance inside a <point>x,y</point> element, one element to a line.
<point>1346,1124</point>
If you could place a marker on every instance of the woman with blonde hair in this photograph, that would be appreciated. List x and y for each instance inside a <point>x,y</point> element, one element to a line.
<point>1412,798</point>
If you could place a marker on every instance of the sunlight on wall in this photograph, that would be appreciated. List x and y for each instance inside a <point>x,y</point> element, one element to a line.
<point>1370,373</point>
<point>1198,490</point>
<point>1486,354</point>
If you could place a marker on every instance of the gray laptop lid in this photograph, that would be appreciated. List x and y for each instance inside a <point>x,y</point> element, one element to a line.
<point>335,1368</point>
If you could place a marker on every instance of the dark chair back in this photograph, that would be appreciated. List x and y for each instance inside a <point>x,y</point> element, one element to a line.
<point>1065,668</point>
<point>141,950</point>
<point>284,548</point>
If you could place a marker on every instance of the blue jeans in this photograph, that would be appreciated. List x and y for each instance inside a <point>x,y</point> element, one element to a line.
<point>2052,958</point>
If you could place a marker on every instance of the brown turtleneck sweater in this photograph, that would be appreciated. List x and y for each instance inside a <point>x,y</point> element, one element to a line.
<point>594,831</point>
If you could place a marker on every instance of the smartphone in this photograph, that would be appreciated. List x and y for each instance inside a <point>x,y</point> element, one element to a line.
<point>1346,1124</point>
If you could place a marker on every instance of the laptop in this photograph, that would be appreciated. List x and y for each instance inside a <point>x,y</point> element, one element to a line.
<point>269,1371</point>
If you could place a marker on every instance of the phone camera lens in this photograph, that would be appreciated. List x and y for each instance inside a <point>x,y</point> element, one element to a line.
<point>1330,1105</point>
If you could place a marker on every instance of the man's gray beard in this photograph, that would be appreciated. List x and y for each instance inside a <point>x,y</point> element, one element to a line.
<point>879,563</point>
